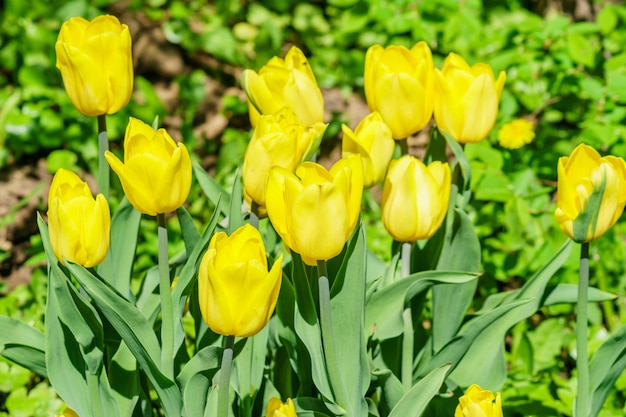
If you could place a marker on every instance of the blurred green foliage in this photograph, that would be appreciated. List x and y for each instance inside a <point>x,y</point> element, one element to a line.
<point>568,77</point>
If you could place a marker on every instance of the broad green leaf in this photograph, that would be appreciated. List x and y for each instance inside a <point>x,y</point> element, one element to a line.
<point>414,402</point>
<point>23,345</point>
<point>235,216</point>
<point>393,390</point>
<point>249,369</point>
<point>211,189</point>
<point>606,365</point>
<point>188,228</point>
<point>568,294</point>
<point>195,379</point>
<point>383,313</point>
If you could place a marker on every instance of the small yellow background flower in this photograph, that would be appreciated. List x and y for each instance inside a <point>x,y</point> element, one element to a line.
<point>516,134</point>
<point>415,198</point>
<point>579,176</point>
<point>237,294</point>
<point>156,173</point>
<point>276,408</point>
<point>287,82</point>
<point>478,402</point>
<point>399,85</point>
<point>373,141</point>
<point>79,225</point>
<point>279,139</point>
<point>68,412</point>
<point>95,60</point>
<point>315,210</point>
<point>466,99</point>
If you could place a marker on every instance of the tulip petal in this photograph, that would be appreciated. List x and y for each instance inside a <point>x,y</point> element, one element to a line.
<point>480,107</point>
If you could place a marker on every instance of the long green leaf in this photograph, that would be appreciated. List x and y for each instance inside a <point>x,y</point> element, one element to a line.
<point>211,189</point>
<point>235,216</point>
<point>606,365</point>
<point>195,379</point>
<point>23,345</point>
<point>415,401</point>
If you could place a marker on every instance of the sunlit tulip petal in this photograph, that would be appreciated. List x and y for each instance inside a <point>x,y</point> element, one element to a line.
<point>276,408</point>
<point>479,403</point>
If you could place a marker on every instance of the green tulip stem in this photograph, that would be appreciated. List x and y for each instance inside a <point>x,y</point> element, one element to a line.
<point>328,339</point>
<point>223,386</point>
<point>582,356</point>
<point>167,318</point>
<point>407,320</point>
<point>103,165</point>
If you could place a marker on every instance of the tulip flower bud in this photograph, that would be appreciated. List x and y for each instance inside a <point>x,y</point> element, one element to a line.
<point>237,294</point>
<point>478,402</point>
<point>466,99</point>
<point>79,225</point>
<point>373,141</point>
<point>591,193</point>
<point>279,139</point>
<point>399,85</point>
<point>96,64</point>
<point>315,210</point>
<point>282,83</point>
<point>156,173</point>
<point>276,408</point>
<point>415,198</point>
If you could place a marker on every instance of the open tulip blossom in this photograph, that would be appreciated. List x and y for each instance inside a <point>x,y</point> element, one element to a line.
<point>478,402</point>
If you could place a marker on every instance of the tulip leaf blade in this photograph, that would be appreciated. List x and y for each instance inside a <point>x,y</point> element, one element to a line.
<point>464,165</point>
<point>211,189</point>
<point>195,379</point>
<point>415,401</point>
<point>23,344</point>
<point>235,216</point>
<point>606,365</point>
<point>188,229</point>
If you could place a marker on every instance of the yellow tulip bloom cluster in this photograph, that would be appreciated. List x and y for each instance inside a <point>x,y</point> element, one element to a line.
<point>79,225</point>
<point>276,408</point>
<point>156,173</point>
<point>96,64</point>
<point>237,294</point>
<point>591,193</point>
<point>478,402</point>
<point>406,89</point>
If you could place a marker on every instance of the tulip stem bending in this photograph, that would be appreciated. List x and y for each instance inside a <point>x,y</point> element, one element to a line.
<point>167,318</point>
<point>407,319</point>
<point>582,359</point>
<point>224,382</point>
<point>328,340</point>
<point>103,166</point>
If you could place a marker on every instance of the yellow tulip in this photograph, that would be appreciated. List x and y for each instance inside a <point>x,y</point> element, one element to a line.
<point>276,408</point>
<point>79,225</point>
<point>282,83</point>
<point>373,141</point>
<point>516,134</point>
<point>466,99</point>
<point>279,139</point>
<point>96,64</point>
<point>156,173</point>
<point>314,210</point>
<point>478,402</point>
<point>415,198</point>
<point>591,193</point>
<point>237,294</point>
<point>399,85</point>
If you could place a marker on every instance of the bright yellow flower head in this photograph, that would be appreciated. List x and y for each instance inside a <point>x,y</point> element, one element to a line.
<point>279,139</point>
<point>478,402</point>
<point>96,64</point>
<point>276,408</point>
<point>373,141</point>
<point>79,225</point>
<point>591,193</point>
<point>466,99</point>
<point>156,173</point>
<point>237,294</point>
<point>282,83</point>
<point>516,134</point>
<point>415,198</point>
<point>68,412</point>
<point>399,85</point>
<point>315,210</point>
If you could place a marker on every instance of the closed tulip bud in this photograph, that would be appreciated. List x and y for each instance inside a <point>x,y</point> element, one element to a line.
<point>591,193</point>
<point>399,85</point>
<point>79,225</point>
<point>287,82</point>
<point>276,408</point>
<point>373,141</point>
<point>236,292</point>
<point>415,198</point>
<point>314,210</point>
<point>279,139</point>
<point>96,64</point>
<point>466,99</point>
<point>478,402</point>
<point>156,173</point>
